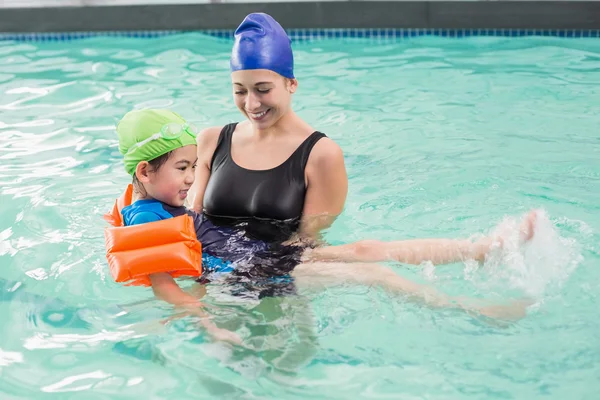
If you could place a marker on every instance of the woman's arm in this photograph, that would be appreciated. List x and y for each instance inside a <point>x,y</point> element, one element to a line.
<point>207,143</point>
<point>327,188</point>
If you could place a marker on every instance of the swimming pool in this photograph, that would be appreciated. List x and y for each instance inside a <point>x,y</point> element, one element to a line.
<point>442,137</point>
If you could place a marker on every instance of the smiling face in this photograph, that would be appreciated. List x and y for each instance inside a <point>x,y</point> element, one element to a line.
<point>263,96</point>
<point>170,181</point>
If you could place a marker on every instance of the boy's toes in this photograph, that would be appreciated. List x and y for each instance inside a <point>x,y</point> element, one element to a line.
<point>527,228</point>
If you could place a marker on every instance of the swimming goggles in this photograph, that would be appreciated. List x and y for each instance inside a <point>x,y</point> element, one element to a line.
<point>169,131</point>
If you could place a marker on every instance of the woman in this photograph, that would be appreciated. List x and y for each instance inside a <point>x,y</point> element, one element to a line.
<point>273,174</point>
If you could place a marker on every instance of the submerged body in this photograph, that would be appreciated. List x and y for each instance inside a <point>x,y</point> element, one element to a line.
<point>227,251</point>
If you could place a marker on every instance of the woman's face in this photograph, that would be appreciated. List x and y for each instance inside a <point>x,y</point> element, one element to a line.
<point>263,96</point>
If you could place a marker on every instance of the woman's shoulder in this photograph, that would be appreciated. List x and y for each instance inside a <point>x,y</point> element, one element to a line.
<point>208,140</point>
<point>209,135</point>
<point>326,152</point>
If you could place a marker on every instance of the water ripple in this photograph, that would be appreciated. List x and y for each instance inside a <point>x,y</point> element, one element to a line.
<point>441,138</point>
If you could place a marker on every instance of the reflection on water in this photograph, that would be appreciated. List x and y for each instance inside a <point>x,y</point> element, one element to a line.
<point>442,138</point>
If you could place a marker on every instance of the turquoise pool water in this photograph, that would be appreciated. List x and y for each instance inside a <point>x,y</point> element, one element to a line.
<point>442,138</point>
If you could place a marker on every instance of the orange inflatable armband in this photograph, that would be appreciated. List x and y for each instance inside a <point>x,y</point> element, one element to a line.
<point>133,252</point>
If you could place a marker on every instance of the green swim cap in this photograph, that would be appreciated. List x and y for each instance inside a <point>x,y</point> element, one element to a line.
<point>139,125</point>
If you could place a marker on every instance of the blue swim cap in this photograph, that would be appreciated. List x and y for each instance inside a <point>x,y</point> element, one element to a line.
<point>261,43</point>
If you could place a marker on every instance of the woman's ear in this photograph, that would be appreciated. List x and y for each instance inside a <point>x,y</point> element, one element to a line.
<point>292,85</point>
<point>142,171</point>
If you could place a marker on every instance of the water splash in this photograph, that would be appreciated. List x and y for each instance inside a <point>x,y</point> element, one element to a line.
<point>538,267</point>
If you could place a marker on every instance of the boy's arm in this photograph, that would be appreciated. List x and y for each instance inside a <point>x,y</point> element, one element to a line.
<point>166,289</point>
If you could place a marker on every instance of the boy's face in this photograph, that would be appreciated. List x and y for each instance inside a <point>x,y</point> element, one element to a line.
<point>170,184</point>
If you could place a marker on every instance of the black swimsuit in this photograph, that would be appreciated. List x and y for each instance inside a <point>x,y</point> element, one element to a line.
<point>267,203</point>
<point>259,209</point>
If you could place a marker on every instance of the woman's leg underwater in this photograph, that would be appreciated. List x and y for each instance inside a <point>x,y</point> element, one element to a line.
<point>319,274</point>
<point>437,251</point>
<point>286,333</point>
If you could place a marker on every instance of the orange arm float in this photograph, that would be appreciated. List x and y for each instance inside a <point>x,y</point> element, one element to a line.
<point>136,251</point>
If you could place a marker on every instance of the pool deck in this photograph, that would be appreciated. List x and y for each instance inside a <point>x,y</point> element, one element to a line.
<point>90,16</point>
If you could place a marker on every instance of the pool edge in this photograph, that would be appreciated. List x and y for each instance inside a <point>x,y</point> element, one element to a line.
<point>506,15</point>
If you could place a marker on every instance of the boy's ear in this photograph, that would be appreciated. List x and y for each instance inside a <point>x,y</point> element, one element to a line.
<point>142,171</point>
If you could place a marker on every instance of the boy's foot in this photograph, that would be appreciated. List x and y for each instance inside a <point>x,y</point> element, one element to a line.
<point>527,227</point>
<point>526,232</point>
